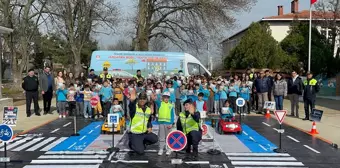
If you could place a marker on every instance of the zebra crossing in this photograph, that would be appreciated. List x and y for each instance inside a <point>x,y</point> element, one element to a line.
<point>66,159</point>
<point>247,160</point>
<point>31,144</point>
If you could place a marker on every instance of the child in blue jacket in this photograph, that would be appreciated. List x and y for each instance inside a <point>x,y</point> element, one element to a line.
<point>245,94</point>
<point>62,101</point>
<point>233,94</point>
<point>205,91</point>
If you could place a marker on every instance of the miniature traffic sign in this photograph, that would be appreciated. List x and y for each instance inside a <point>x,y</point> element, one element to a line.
<point>280,115</point>
<point>176,140</point>
<point>240,102</point>
<point>204,130</point>
<point>112,119</point>
<point>94,101</point>
<point>6,133</point>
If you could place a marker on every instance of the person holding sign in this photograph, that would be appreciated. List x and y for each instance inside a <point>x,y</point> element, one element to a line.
<point>189,123</point>
<point>140,133</point>
<point>310,87</point>
<point>166,120</point>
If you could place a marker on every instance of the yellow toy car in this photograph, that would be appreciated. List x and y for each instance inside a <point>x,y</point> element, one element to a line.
<point>120,127</point>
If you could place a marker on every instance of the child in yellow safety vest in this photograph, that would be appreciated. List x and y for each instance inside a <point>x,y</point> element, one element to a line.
<point>166,120</point>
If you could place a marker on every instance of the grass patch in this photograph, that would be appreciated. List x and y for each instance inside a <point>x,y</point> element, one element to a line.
<point>10,91</point>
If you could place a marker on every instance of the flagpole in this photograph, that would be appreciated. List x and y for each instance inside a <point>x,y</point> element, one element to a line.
<point>310,37</point>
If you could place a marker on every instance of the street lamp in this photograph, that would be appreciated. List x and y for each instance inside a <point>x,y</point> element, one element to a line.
<point>3,30</point>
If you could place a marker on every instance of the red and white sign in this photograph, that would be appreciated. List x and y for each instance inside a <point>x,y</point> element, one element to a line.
<point>204,129</point>
<point>94,101</point>
<point>280,115</point>
<point>97,56</point>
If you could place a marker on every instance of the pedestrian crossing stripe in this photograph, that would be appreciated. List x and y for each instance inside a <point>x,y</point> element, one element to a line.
<point>32,144</point>
<point>262,159</point>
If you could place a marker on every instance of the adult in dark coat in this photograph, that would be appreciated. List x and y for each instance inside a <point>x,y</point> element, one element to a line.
<point>47,87</point>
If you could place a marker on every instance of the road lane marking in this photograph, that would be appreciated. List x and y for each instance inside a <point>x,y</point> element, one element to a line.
<point>97,126</point>
<point>263,147</point>
<point>67,124</point>
<point>257,154</point>
<point>82,138</point>
<point>72,157</point>
<point>197,162</point>
<point>225,165</point>
<point>275,129</point>
<point>62,166</point>
<point>21,147</point>
<point>14,139</point>
<point>67,161</point>
<point>90,131</point>
<point>50,146</point>
<point>311,148</point>
<point>129,161</point>
<point>251,138</point>
<point>293,139</point>
<point>260,163</point>
<point>245,133</point>
<point>12,145</point>
<point>72,145</point>
<point>270,167</point>
<point>41,144</point>
<point>262,158</point>
<point>76,152</point>
<point>55,130</point>
<point>266,124</point>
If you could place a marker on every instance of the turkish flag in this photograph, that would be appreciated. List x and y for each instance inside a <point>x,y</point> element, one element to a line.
<point>313,1</point>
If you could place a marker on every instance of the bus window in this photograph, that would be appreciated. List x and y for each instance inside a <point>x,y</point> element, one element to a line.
<point>193,69</point>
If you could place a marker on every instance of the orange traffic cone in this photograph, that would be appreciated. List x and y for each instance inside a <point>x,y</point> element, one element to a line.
<point>267,114</point>
<point>313,131</point>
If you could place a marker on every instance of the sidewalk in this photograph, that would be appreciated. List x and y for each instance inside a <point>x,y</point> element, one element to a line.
<point>25,124</point>
<point>329,126</point>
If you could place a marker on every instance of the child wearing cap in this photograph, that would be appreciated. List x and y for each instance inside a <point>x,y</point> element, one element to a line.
<point>166,120</point>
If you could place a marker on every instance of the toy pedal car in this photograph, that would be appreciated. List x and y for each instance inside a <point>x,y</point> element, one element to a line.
<point>229,125</point>
<point>120,127</point>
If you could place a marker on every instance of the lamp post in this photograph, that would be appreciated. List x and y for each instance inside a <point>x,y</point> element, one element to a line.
<point>3,30</point>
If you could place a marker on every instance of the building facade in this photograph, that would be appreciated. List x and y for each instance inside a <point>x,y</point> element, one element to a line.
<point>280,26</point>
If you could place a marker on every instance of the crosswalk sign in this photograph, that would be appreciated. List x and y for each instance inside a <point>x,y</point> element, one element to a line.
<point>106,64</point>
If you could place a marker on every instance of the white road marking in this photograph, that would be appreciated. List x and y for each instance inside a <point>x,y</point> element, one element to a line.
<point>72,145</point>
<point>263,158</point>
<point>270,167</point>
<point>129,150</point>
<point>66,161</point>
<point>76,152</point>
<point>72,157</point>
<point>62,166</point>
<point>21,147</point>
<point>129,161</point>
<point>245,133</point>
<point>41,144</point>
<point>257,154</point>
<point>97,126</point>
<point>311,148</point>
<point>55,130</point>
<point>293,139</point>
<point>50,146</point>
<point>82,138</point>
<point>225,165</point>
<point>266,124</point>
<point>15,139</point>
<point>251,138</point>
<point>275,129</point>
<point>90,131</point>
<point>260,163</point>
<point>197,162</point>
<point>67,124</point>
<point>12,145</point>
<point>263,147</point>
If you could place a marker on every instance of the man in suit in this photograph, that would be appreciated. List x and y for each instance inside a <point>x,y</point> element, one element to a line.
<point>47,87</point>
<point>295,88</point>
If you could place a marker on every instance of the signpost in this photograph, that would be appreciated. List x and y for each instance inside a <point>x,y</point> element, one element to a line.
<point>6,134</point>
<point>176,141</point>
<point>269,105</point>
<point>280,116</point>
<point>10,116</point>
<point>240,102</point>
<point>113,119</point>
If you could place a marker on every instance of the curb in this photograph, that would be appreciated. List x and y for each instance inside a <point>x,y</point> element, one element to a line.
<point>31,129</point>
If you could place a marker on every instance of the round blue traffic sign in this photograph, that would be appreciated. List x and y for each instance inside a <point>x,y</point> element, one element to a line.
<point>176,140</point>
<point>6,133</point>
<point>240,102</point>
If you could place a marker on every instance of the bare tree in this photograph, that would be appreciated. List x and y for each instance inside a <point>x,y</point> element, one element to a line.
<point>158,44</point>
<point>184,22</point>
<point>77,19</point>
<point>121,45</point>
<point>24,17</point>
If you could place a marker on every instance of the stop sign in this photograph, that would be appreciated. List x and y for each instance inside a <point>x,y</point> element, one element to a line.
<point>94,101</point>
<point>204,129</point>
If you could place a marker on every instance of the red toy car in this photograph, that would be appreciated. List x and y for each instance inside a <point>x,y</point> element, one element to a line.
<point>229,125</point>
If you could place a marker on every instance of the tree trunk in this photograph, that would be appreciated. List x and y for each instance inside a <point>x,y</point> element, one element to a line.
<point>143,25</point>
<point>77,60</point>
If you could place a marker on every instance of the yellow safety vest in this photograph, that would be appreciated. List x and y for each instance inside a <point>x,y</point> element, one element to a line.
<point>312,82</point>
<point>108,76</point>
<point>188,124</point>
<point>140,120</point>
<point>138,78</point>
<point>164,112</point>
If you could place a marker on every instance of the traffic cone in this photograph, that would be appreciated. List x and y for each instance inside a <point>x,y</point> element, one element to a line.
<point>267,114</point>
<point>313,131</point>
